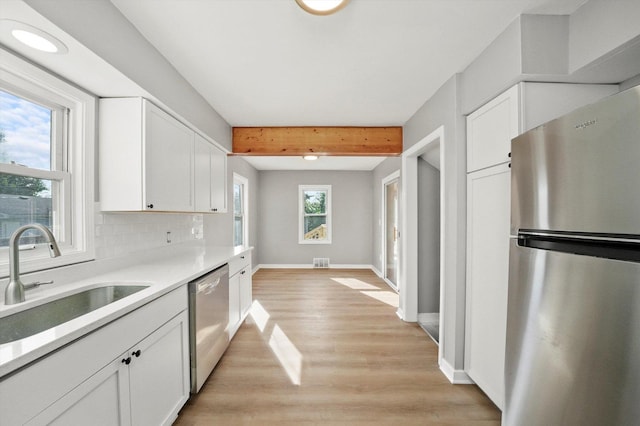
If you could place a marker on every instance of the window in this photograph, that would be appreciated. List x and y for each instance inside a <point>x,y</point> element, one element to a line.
<point>46,155</point>
<point>240,202</point>
<point>315,214</point>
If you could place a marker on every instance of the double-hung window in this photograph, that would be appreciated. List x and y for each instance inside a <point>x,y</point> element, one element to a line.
<point>240,201</point>
<point>314,204</point>
<point>46,165</point>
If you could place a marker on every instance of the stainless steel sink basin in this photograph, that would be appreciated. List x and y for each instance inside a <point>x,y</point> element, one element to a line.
<point>39,318</point>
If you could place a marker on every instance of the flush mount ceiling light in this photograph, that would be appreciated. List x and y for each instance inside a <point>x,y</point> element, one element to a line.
<point>33,37</point>
<point>322,7</point>
<point>310,157</point>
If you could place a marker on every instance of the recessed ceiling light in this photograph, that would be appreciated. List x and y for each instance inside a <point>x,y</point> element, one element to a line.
<point>33,37</point>
<point>322,7</point>
<point>310,157</point>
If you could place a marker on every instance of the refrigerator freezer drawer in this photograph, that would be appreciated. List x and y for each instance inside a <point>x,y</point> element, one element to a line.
<point>573,340</point>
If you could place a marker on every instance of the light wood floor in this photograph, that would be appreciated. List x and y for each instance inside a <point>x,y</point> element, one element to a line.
<point>326,347</point>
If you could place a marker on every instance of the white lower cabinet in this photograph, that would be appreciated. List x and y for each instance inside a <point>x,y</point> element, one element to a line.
<point>134,371</point>
<point>488,203</point>
<point>240,291</point>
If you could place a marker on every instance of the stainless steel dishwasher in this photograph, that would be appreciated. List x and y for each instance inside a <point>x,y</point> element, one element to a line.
<point>208,321</point>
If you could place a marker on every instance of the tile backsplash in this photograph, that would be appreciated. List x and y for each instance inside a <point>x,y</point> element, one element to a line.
<point>118,234</point>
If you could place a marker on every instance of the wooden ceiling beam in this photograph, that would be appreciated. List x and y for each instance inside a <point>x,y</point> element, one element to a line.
<point>291,141</point>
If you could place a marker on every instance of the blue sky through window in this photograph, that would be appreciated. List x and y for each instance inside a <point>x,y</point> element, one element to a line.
<point>27,130</point>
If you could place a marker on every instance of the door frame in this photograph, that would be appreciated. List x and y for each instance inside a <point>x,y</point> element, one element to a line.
<point>408,306</point>
<point>387,180</point>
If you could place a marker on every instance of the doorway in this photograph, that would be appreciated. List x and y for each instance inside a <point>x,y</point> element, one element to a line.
<point>391,233</point>
<point>429,241</point>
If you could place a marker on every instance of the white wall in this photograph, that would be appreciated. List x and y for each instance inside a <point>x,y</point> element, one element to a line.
<point>600,28</point>
<point>444,109</point>
<point>100,26</point>
<point>351,194</point>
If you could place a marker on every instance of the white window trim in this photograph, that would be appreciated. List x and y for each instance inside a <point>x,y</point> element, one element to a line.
<point>301,190</point>
<point>237,178</point>
<point>80,163</point>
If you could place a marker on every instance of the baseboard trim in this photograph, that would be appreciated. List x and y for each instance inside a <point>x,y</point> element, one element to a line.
<point>457,377</point>
<point>310,266</point>
<point>375,271</point>
<point>424,317</point>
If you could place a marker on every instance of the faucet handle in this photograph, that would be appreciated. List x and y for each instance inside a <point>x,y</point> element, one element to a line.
<point>36,284</point>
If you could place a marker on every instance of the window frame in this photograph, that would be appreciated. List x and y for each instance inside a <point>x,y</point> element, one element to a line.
<point>72,163</point>
<point>302,215</point>
<point>244,182</point>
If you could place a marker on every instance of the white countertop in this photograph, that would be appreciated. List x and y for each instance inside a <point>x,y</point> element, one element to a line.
<point>163,270</point>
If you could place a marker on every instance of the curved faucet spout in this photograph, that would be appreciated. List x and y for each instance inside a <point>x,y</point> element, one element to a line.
<point>14,293</point>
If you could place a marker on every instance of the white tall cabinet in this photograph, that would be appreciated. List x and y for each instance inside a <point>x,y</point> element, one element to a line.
<point>489,133</point>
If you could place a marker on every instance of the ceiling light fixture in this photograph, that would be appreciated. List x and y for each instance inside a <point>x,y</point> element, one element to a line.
<point>310,157</point>
<point>33,37</point>
<point>322,7</point>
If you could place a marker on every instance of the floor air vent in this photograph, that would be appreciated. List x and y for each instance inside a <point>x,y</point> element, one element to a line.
<point>320,262</point>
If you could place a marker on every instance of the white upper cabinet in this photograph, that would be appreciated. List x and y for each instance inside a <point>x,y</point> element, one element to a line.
<point>210,177</point>
<point>490,130</point>
<point>524,106</point>
<point>146,158</point>
<point>150,161</point>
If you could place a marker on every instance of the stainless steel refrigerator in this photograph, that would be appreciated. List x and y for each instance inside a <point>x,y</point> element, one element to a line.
<point>573,317</point>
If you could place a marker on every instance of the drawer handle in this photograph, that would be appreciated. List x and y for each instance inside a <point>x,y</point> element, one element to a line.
<point>243,272</point>
<point>126,360</point>
<point>150,206</point>
<point>136,353</point>
<point>241,257</point>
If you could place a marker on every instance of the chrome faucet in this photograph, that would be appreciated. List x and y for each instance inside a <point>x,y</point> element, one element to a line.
<point>14,293</point>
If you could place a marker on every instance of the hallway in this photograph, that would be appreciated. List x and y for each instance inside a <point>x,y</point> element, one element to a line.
<point>326,347</point>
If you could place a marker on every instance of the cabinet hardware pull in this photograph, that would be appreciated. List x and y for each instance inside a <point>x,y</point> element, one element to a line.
<point>150,206</point>
<point>243,272</point>
<point>127,360</point>
<point>136,353</point>
<point>241,257</point>
<point>509,155</point>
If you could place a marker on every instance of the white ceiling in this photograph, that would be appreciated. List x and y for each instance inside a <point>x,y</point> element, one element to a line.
<point>269,63</point>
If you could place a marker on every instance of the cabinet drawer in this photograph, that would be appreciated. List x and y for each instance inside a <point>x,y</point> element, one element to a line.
<point>239,262</point>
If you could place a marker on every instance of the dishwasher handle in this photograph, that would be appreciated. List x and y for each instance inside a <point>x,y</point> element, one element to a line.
<point>206,286</point>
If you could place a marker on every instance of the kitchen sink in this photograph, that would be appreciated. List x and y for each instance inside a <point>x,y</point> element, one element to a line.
<point>43,317</point>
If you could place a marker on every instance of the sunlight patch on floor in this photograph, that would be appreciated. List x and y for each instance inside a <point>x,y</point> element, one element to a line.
<point>355,284</point>
<point>289,356</point>
<point>389,297</point>
<point>283,348</point>
<point>260,315</point>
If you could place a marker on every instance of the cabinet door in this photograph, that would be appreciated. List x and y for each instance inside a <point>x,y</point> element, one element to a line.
<point>218,180</point>
<point>234,304</point>
<point>168,168</point>
<point>103,399</point>
<point>202,174</point>
<point>488,213</point>
<point>245,291</point>
<point>490,130</point>
<point>159,374</point>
